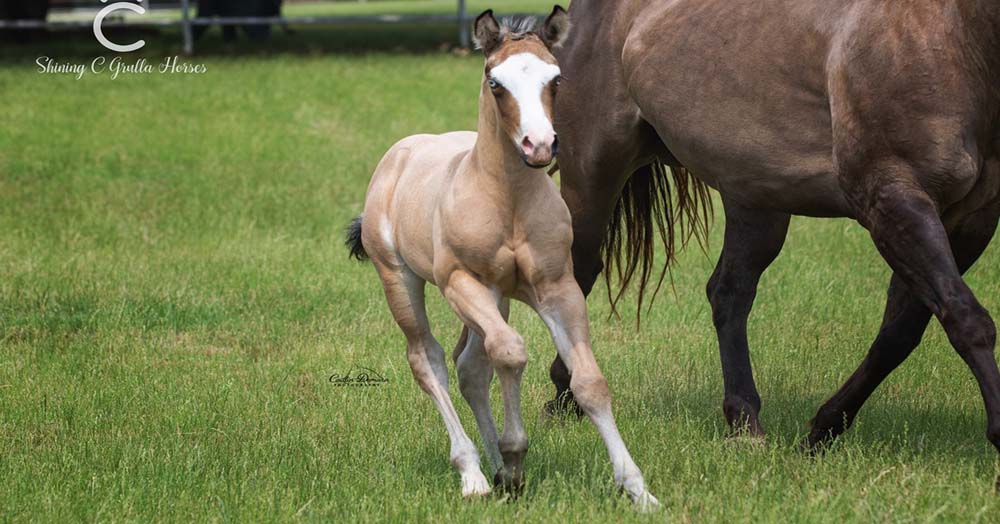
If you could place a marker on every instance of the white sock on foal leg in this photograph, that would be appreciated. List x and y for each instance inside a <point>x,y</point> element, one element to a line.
<point>564,312</point>
<point>405,294</point>
<point>464,456</point>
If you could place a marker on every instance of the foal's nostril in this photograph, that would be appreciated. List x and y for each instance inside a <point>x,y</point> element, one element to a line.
<point>555,146</point>
<point>527,146</point>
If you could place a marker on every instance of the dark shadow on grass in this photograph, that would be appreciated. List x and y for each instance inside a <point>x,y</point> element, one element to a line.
<point>299,40</point>
<point>884,424</point>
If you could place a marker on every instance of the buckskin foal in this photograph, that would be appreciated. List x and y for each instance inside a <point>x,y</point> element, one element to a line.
<point>477,215</point>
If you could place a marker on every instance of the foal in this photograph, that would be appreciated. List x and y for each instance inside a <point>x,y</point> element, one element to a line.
<point>477,215</point>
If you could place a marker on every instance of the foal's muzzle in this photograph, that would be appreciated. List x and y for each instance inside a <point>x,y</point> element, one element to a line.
<point>539,153</point>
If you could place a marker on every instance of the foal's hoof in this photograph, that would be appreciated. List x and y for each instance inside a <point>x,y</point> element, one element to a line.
<point>474,485</point>
<point>646,502</point>
<point>505,483</point>
<point>997,486</point>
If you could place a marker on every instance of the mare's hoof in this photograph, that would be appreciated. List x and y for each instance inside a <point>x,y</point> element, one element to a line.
<point>505,483</point>
<point>997,486</point>
<point>562,407</point>
<point>820,439</point>
<point>816,445</point>
<point>825,427</point>
<point>744,439</point>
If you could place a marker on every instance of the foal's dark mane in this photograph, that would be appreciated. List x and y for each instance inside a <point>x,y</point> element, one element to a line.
<point>517,27</point>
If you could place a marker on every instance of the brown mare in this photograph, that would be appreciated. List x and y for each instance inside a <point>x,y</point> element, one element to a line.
<point>477,215</point>
<point>887,112</point>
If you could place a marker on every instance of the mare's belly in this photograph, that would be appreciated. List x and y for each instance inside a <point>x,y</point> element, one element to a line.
<point>736,89</point>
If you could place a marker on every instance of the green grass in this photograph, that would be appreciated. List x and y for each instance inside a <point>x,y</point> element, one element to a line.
<point>174,296</point>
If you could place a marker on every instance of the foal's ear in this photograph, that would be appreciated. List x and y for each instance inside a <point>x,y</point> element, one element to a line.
<point>556,28</point>
<point>486,32</point>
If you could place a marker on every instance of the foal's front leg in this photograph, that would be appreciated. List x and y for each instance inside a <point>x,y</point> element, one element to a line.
<point>476,304</point>
<point>475,373</point>
<point>563,308</point>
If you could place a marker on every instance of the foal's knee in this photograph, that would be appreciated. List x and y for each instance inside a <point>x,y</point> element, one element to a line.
<point>506,350</point>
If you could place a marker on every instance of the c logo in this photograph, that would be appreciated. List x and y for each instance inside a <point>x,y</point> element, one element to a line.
<point>99,32</point>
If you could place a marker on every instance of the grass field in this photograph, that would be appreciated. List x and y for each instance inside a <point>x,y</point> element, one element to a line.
<point>174,296</point>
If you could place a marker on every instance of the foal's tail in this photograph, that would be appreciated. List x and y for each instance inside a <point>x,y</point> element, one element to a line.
<point>352,239</point>
<point>646,210</point>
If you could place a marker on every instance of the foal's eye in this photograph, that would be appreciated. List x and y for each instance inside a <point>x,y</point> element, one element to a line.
<point>558,80</point>
<point>493,84</point>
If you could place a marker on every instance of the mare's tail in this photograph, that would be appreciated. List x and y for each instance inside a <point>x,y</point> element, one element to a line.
<point>649,208</point>
<point>352,239</point>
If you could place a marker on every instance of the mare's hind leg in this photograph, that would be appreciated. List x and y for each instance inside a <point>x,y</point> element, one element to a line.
<point>903,325</point>
<point>474,377</point>
<point>753,240</point>
<point>405,294</point>
<point>905,225</point>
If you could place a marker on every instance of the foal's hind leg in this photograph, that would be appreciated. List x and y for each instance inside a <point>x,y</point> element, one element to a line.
<point>474,376</point>
<point>753,240</point>
<point>907,230</point>
<point>903,325</point>
<point>405,294</point>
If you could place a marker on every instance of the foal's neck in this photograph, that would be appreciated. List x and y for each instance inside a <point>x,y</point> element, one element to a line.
<point>494,155</point>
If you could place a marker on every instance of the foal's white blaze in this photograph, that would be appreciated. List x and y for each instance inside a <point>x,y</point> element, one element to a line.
<point>524,76</point>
